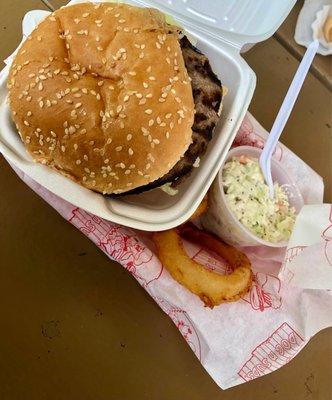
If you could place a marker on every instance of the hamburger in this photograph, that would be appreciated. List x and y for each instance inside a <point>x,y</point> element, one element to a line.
<point>114,98</point>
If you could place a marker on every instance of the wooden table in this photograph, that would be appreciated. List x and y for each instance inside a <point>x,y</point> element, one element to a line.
<point>76,326</point>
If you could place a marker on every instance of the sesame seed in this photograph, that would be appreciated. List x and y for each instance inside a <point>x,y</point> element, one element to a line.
<point>26,123</point>
<point>40,87</point>
<point>63,148</point>
<point>39,38</point>
<point>145,85</point>
<point>72,129</point>
<point>151,122</point>
<point>77,95</point>
<point>28,98</point>
<point>156,141</point>
<point>117,15</point>
<point>149,95</point>
<point>98,97</point>
<point>78,105</point>
<point>32,75</point>
<point>141,55</point>
<point>53,134</point>
<point>99,48</point>
<point>48,103</point>
<point>120,165</point>
<point>100,83</point>
<point>119,148</point>
<point>168,116</point>
<point>158,120</point>
<point>144,130</point>
<point>141,102</point>
<point>162,124</point>
<point>158,45</point>
<point>152,78</point>
<point>83,131</point>
<point>148,111</point>
<point>161,100</point>
<point>130,151</point>
<point>126,98</point>
<point>73,113</point>
<point>85,91</point>
<point>85,15</point>
<point>119,108</point>
<point>164,95</point>
<point>41,104</point>
<point>109,141</point>
<point>132,73</point>
<point>75,146</point>
<point>127,172</point>
<point>122,125</point>
<point>139,95</point>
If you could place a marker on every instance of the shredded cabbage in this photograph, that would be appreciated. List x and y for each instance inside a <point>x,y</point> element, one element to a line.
<point>248,198</point>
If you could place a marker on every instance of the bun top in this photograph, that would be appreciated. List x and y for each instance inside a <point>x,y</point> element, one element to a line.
<point>100,92</point>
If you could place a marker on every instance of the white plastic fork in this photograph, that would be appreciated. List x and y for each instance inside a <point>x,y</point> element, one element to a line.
<point>284,113</point>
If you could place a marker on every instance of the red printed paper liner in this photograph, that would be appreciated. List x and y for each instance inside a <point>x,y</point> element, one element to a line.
<point>235,342</point>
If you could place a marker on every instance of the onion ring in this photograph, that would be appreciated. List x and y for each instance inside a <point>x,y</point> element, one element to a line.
<point>211,287</point>
<point>200,210</point>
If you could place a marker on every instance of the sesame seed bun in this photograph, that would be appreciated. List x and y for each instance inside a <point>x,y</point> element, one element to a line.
<point>100,93</point>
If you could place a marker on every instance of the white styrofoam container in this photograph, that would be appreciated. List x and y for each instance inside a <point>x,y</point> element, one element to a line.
<point>221,28</point>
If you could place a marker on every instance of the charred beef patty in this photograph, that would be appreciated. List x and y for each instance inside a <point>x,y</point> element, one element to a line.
<point>207,93</point>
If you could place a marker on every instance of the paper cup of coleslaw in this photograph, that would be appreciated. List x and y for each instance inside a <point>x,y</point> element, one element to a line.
<point>240,210</point>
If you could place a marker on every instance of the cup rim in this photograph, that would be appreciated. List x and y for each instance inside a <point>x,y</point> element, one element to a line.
<point>278,165</point>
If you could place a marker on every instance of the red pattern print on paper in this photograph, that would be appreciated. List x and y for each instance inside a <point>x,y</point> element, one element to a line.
<point>264,293</point>
<point>327,236</point>
<point>212,262</point>
<point>276,351</point>
<point>183,323</point>
<point>246,136</point>
<point>119,243</point>
<point>293,252</point>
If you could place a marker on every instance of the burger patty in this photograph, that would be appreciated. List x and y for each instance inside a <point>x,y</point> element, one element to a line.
<point>207,93</point>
